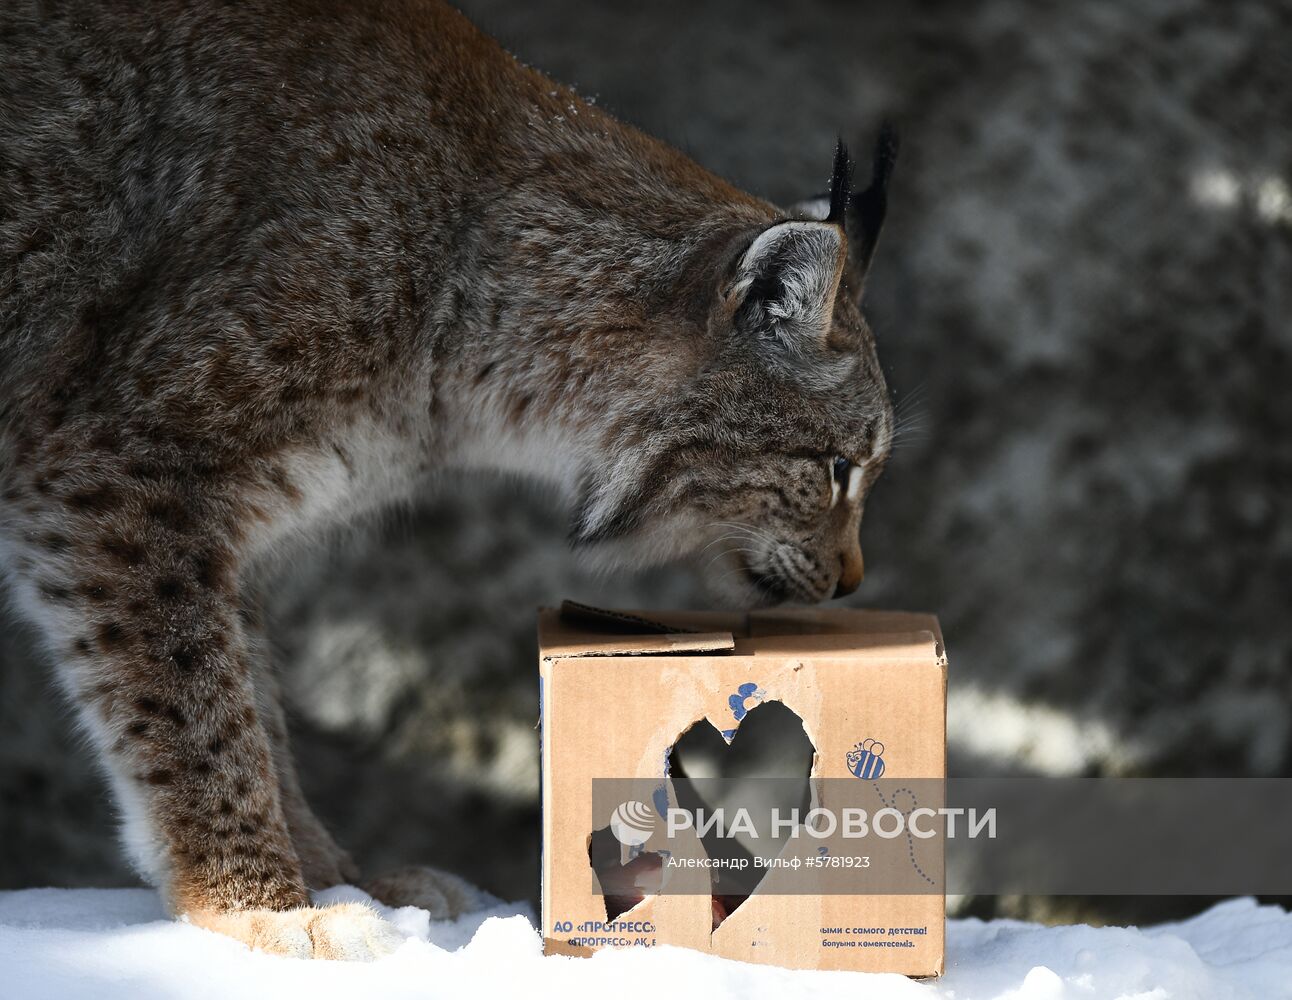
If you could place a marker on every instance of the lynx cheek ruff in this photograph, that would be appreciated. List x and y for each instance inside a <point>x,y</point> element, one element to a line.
<point>828,871</point>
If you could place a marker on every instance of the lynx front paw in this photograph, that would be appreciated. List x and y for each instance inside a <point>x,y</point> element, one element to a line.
<point>347,932</point>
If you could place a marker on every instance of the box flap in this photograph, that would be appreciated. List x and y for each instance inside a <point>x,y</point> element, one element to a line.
<point>857,621</point>
<point>643,645</point>
<point>577,629</point>
<point>616,621</point>
<point>920,647</point>
<point>582,630</point>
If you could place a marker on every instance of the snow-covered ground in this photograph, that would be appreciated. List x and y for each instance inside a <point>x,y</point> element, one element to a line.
<point>108,944</point>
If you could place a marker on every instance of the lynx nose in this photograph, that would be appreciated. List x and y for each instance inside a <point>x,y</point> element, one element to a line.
<point>851,570</point>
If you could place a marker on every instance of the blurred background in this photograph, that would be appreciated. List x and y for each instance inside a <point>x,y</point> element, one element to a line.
<point>1083,301</point>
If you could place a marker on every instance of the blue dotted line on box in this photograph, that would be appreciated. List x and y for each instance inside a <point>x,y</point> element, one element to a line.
<point>910,839</point>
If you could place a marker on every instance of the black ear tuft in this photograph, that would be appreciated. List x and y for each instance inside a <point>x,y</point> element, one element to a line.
<point>840,184</point>
<point>866,209</point>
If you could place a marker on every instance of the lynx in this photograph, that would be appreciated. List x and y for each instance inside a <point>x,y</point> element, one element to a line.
<point>267,265</point>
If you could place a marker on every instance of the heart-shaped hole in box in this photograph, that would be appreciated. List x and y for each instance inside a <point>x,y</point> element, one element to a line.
<point>767,740</point>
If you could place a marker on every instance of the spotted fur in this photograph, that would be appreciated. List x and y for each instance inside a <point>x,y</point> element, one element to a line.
<point>264,266</point>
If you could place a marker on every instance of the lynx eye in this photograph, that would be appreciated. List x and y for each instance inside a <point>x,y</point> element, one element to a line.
<point>845,479</point>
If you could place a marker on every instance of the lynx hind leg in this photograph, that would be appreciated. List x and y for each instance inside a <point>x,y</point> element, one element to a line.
<point>129,569</point>
<point>323,862</point>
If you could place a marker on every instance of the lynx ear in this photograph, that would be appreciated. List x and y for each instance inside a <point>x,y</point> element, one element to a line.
<point>786,284</point>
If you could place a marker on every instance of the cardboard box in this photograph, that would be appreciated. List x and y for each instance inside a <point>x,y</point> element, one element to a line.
<point>619,689</point>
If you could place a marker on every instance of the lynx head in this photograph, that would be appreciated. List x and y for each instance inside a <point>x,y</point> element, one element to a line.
<point>759,465</point>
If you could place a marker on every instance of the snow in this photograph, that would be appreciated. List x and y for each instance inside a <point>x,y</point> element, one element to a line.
<point>117,943</point>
